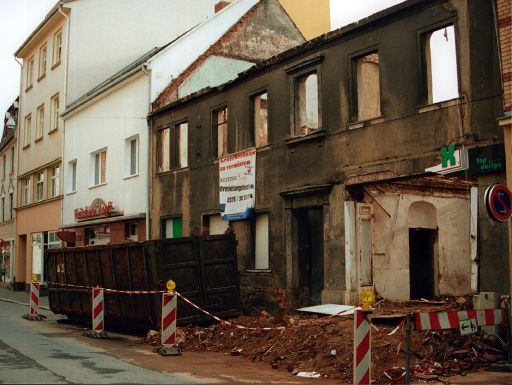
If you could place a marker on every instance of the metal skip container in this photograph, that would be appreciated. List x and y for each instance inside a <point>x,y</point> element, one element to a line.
<point>204,269</point>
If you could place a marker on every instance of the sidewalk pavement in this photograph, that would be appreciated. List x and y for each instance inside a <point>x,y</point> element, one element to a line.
<point>22,298</point>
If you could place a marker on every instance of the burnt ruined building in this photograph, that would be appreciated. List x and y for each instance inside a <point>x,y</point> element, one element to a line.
<point>348,129</point>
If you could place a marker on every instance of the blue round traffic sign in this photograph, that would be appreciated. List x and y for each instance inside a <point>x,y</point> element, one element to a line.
<point>498,201</point>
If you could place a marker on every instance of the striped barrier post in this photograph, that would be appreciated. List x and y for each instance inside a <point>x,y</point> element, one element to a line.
<point>98,314</point>
<point>168,326</point>
<point>362,348</point>
<point>33,312</point>
<point>450,319</point>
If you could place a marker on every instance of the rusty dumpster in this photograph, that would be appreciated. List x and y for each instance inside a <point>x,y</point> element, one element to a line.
<point>204,268</point>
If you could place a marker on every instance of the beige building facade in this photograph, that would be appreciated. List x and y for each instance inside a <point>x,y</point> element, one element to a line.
<point>8,145</point>
<point>312,17</point>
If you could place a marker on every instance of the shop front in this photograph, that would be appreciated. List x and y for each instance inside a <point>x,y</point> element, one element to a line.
<point>101,223</point>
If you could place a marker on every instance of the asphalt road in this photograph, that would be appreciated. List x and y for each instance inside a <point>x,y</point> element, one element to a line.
<point>35,352</point>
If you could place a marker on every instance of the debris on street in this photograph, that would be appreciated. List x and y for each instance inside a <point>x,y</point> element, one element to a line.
<point>313,344</point>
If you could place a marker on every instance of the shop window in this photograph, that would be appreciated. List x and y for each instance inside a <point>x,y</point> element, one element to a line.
<point>99,168</point>
<point>439,65</point>
<point>39,122</point>
<point>55,186</point>
<point>131,161</point>
<point>57,47</point>
<point>172,227</point>
<point>214,225</point>
<point>259,121</point>
<point>26,130</point>
<point>219,137</point>
<point>42,61</point>
<point>163,151</point>
<point>131,231</point>
<point>99,235</point>
<point>53,240</point>
<point>39,186</point>
<point>261,242</point>
<point>54,113</point>
<point>30,73</point>
<point>366,87</point>
<point>306,104</point>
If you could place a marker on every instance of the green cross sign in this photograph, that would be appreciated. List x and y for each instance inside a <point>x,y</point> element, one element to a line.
<point>448,155</point>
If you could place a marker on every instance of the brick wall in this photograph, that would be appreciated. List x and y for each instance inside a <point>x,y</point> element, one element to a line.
<point>504,13</point>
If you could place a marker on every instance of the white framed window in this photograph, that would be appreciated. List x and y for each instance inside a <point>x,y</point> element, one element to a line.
<point>26,130</point>
<point>54,113</point>
<point>26,191</point>
<point>39,186</point>
<point>40,122</point>
<point>30,72</point>
<point>131,160</point>
<point>55,186</point>
<point>11,204</point>
<point>2,208</point>
<point>71,180</point>
<point>261,242</point>
<point>12,153</point>
<point>57,47</point>
<point>4,165</point>
<point>53,240</point>
<point>42,60</point>
<point>98,174</point>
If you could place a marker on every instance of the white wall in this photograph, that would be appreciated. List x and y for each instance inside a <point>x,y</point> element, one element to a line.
<point>105,36</point>
<point>173,60</point>
<point>391,242</point>
<point>107,123</point>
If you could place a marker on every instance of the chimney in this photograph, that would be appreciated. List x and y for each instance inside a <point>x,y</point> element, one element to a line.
<point>221,5</point>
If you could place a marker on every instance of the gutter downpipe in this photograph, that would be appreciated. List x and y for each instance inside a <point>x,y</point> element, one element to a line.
<point>63,173</point>
<point>149,136</point>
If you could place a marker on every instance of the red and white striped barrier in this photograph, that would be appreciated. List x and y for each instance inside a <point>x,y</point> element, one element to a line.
<point>168,333</point>
<point>450,319</point>
<point>98,313</point>
<point>33,312</point>
<point>34,298</point>
<point>98,310</point>
<point>169,302</point>
<point>362,348</point>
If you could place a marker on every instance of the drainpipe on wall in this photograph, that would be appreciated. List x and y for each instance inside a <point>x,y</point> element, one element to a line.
<point>18,136</point>
<point>65,101</point>
<point>148,171</point>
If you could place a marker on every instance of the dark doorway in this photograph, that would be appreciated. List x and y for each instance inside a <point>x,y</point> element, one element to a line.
<point>421,262</point>
<point>310,251</point>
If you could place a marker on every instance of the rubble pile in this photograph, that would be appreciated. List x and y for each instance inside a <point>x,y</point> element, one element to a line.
<point>324,345</point>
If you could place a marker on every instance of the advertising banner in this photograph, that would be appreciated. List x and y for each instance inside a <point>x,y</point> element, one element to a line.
<point>237,185</point>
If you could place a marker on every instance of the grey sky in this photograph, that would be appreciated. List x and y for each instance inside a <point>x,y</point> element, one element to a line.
<point>19,17</point>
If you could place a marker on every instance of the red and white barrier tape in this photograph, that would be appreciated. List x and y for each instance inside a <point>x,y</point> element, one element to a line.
<point>227,322</point>
<point>110,290</point>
